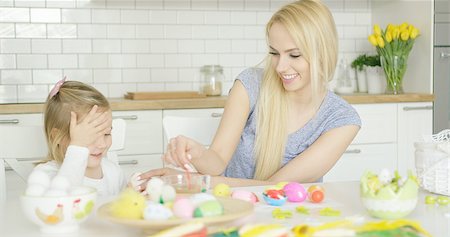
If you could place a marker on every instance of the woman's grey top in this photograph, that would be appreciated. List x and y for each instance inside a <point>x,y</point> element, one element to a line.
<point>334,112</point>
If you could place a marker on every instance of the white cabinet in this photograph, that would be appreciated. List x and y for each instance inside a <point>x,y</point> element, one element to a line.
<point>375,146</point>
<point>414,121</point>
<point>143,140</point>
<point>212,112</point>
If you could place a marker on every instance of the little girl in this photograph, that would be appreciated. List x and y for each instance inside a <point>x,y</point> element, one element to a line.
<point>78,124</point>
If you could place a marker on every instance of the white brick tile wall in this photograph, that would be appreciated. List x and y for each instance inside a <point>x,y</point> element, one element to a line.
<point>77,46</point>
<point>16,77</point>
<point>62,61</point>
<point>46,76</point>
<point>31,31</point>
<point>7,61</point>
<point>84,75</point>
<point>45,15</point>
<point>8,94</point>
<point>15,46</point>
<point>48,46</point>
<point>32,61</point>
<point>7,30</point>
<point>76,16</point>
<point>145,45</point>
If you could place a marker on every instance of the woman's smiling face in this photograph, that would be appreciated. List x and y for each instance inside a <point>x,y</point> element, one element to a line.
<point>287,60</point>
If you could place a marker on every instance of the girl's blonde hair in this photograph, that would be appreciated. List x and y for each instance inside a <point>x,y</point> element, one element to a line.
<point>72,96</point>
<point>312,27</point>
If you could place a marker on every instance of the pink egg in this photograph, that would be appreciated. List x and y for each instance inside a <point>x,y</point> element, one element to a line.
<point>183,208</point>
<point>245,195</point>
<point>295,192</point>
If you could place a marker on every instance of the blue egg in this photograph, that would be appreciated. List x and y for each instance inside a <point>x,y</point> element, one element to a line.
<point>273,201</point>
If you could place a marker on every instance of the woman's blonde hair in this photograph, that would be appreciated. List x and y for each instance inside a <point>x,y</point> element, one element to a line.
<point>312,27</point>
<point>72,96</point>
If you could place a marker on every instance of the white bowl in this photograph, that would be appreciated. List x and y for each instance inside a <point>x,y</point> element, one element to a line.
<point>59,214</point>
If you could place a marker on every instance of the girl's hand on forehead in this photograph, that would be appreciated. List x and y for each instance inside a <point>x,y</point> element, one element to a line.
<point>85,131</point>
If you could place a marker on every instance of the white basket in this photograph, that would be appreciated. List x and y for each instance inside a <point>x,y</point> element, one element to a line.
<point>432,159</point>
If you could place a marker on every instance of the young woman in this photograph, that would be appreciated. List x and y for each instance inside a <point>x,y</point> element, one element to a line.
<point>78,124</point>
<point>280,123</point>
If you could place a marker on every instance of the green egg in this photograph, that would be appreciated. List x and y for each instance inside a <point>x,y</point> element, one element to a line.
<point>209,208</point>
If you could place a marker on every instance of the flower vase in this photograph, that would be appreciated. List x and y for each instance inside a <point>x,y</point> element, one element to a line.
<point>394,69</point>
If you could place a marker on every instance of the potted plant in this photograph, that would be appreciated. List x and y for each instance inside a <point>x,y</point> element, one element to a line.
<point>366,67</point>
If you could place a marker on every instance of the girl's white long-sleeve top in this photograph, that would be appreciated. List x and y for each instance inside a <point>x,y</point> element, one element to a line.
<point>74,168</point>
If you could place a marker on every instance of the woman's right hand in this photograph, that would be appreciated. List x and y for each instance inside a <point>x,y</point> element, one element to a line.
<point>181,150</point>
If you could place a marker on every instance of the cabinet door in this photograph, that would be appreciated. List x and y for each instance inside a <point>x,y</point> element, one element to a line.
<point>360,158</point>
<point>143,132</point>
<point>22,119</point>
<point>139,163</point>
<point>414,121</point>
<point>213,112</point>
<point>379,123</point>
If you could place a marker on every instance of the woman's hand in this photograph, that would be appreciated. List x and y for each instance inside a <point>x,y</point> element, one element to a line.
<point>85,131</point>
<point>181,150</point>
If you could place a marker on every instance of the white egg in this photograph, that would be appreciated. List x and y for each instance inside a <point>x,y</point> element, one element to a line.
<point>35,190</point>
<point>39,177</point>
<point>156,211</point>
<point>168,193</point>
<point>78,191</point>
<point>154,189</point>
<point>198,198</point>
<point>55,193</point>
<point>60,182</point>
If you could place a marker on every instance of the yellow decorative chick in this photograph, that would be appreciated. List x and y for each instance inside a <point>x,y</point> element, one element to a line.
<point>129,205</point>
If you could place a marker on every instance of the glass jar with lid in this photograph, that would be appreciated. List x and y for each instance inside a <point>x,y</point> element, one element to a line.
<point>211,80</point>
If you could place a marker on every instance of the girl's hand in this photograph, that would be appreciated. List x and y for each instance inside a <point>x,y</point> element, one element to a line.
<point>181,150</point>
<point>145,177</point>
<point>85,131</point>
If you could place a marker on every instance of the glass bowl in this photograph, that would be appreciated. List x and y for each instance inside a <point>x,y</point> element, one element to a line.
<point>188,182</point>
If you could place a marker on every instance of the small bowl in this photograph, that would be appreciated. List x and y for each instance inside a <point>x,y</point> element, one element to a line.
<point>188,183</point>
<point>387,203</point>
<point>59,214</point>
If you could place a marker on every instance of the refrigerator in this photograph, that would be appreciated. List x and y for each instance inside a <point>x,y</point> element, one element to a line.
<point>441,66</point>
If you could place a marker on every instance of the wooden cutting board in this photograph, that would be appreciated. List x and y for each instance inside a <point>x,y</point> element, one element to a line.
<point>163,95</point>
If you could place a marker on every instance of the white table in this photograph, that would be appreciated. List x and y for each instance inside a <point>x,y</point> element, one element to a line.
<point>343,196</point>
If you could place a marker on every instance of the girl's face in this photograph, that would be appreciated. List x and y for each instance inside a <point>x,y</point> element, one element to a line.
<point>100,147</point>
<point>287,59</point>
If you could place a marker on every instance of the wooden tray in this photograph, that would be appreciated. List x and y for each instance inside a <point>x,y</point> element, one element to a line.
<point>163,95</point>
<point>234,209</point>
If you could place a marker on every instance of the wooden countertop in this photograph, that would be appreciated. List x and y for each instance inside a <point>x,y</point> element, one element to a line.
<point>211,102</point>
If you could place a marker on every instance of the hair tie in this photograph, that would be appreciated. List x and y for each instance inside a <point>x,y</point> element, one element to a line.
<point>57,86</point>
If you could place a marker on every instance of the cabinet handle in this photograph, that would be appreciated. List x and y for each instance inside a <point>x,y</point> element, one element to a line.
<point>129,162</point>
<point>9,121</point>
<point>126,117</point>
<point>445,55</point>
<point>216,115</point>
<point>353,151</point>
<point>409,108</point>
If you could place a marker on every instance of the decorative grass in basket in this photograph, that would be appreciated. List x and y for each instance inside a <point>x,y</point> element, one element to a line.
<point>432,159</point>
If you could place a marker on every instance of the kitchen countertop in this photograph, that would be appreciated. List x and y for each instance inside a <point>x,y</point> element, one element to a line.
<point>343,196</point>
<point>119,104</point>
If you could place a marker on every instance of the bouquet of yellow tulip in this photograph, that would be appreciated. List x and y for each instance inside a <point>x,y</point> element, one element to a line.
<point>393,46</point>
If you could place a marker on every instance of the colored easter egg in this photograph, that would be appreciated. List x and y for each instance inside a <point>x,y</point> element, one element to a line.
<point>281,185</point>
<point>209,208</point>
<point>183,208</point>
<point>245,195</point>
<point>156,211</point>
<point>316,194</point>
<point>222,190</point>
<point>295,192</point>
<point>278,201</point>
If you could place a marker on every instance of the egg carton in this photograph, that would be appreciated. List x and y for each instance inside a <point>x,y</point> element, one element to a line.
<point>433,171</point>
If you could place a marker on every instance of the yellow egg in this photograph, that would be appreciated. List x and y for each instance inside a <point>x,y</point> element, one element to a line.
<point>281,185</point>
<point>222,190</point>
